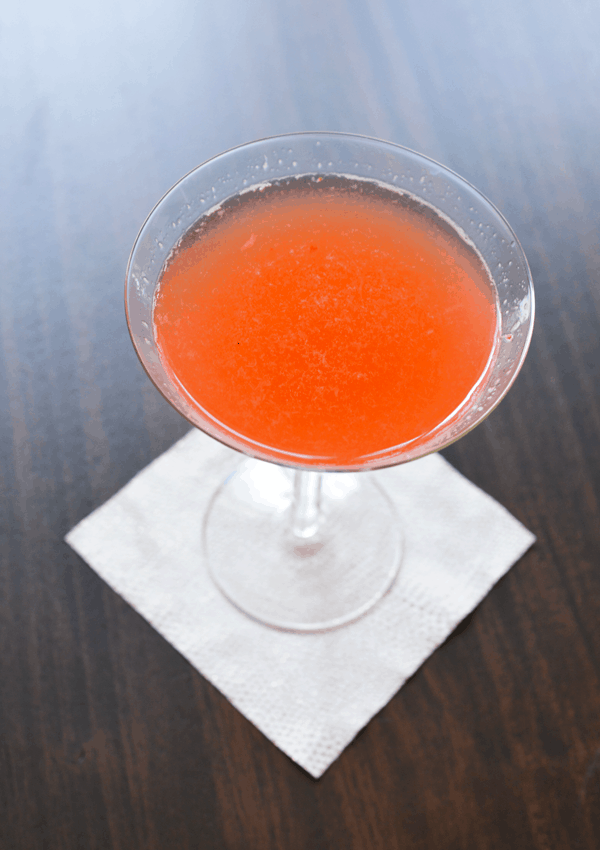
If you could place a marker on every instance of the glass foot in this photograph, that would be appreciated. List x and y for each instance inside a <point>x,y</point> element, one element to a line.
<point>315,575</point>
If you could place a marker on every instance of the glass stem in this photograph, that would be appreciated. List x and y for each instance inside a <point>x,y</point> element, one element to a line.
<point>306,510</point>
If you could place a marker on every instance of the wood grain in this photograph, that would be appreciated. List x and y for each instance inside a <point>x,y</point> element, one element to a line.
<point>109,740</point>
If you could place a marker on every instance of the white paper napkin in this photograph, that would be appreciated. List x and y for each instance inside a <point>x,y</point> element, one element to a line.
<point>308,693</point>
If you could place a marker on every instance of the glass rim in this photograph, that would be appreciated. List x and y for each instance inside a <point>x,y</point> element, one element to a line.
<point>383,458</point>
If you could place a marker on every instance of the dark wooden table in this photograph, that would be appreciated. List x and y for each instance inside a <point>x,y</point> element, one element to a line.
<point>108,738</point>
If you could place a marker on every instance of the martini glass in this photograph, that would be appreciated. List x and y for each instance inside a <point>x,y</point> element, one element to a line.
<point>298,541</point>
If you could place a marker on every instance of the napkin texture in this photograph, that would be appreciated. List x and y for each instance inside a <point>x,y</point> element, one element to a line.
<point>310,694</point>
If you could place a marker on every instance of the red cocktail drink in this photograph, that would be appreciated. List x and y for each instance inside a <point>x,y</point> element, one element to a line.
<point>335,304</point>
<point>327,317</point>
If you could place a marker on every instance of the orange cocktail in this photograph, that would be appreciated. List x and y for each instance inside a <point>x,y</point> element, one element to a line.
<point>335,304</point>
<point>326,316</point>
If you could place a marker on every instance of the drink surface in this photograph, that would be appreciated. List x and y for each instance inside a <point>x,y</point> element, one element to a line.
<point>326,317</point>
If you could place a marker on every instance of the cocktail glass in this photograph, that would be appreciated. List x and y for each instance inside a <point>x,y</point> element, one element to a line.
<point>295,541</point>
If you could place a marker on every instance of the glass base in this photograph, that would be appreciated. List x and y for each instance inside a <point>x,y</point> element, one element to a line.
<point>314,578</point>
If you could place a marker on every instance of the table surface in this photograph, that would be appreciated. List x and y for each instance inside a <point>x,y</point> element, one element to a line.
<point>108,738</point>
